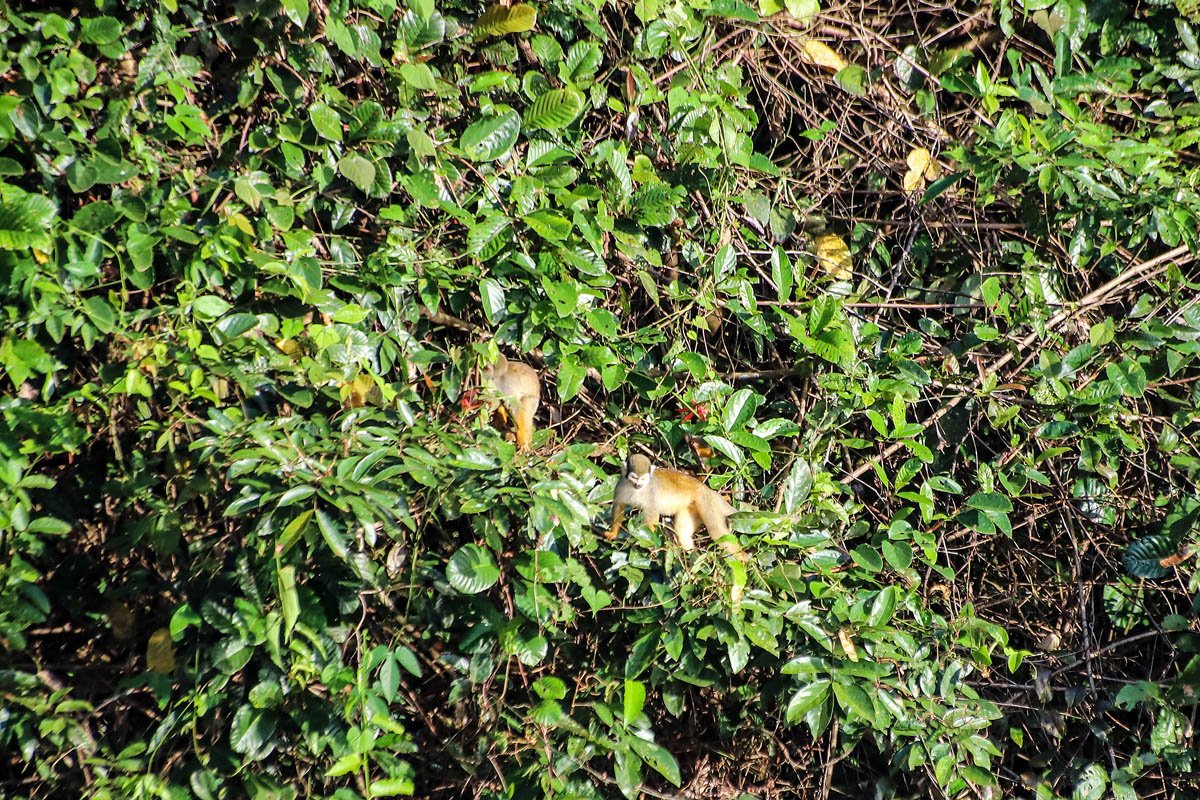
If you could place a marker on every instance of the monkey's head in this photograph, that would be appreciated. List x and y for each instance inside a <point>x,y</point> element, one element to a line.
<point>490,371</point>
<point>638,470</point>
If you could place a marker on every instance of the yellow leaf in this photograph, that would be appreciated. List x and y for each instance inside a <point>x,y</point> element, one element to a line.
<point>823,55</point>
<point>918,159</point>
<point>847,644</point>
<point>920,162</point>
<point>287,346</point>
<point>360,391</point>
<point>160,652</point>
<point>243,224</point>
<point>913,182</point>
<point>40,257</point>
<point>833,256</point>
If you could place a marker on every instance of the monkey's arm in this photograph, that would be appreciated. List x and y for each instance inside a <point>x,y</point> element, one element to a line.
<point>617,518</point>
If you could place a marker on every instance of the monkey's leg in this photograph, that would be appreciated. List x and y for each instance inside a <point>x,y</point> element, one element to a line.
<point>685,529</point>
<point>524,421</point>
<point>650,518</point>
<point>721,534</point>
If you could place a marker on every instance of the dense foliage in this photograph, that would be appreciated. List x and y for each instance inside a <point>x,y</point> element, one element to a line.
<point>915,286</point>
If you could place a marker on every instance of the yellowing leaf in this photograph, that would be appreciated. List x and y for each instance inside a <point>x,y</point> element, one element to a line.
<point>833,256</point>
<point>287,346</point>
<point>913,182</point>
<point>160,652</point>
<point>920,162</point>
<point>360,391</point>
<point>847,644</point>
<point>918,159</point>
<point>823,55</point>
<point>499,20</point>
<point>243,224</point>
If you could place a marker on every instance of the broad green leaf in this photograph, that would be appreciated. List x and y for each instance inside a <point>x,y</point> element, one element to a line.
<point>658,757</point>
<point>805,699</point>
<point>883,607</point>
<point>251,732</point>
<point>853,699</point>
<point>990,501</point>
<point>1143,557</point>
<point>492,294</point>
<point>556,108</point>
<point>357,170</point>
<point>493,136</point>
<point>472,569</point>
<point>99,30</point>
<point>418,76</point>
<point>296,10</point>
<point>550,226</point>
<point>25,219</point>
<point>499,20</point>
<point>326,121</point>
<point>209,306</point>
<point>390,787</point>
<point>1128,376</point>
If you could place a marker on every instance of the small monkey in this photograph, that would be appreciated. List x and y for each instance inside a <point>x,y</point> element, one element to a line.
<point>520,390</point>
<point>670,493</point>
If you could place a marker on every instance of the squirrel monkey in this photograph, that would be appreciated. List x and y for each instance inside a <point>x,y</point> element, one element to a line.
<point>520,390</point>
<point>671,493</point>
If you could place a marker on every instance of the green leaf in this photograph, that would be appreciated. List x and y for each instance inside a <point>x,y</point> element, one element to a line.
<point>550,226</point>
<point>867,557</point>
<point>251,730</point>
<point>739,409</point>
<point>1128,376</point>
<point>492,294</point>
<point>990,501</point>
<point>805,699</point>
<point>99,30</point>
<point>657,756</point>
<point>853,699</point>
<point>289,599</point>
<point>326,121</point>
<point>1143,557</point>
<point>1091,786</point>
<point>390,787</point>
<point>499,20</point>
<point>25,219</point>
<point>209,306</point>
<point>803,10</point>
<point>635,698</point>
<point>899,555</point>
<point>418,76</point>
<point>472,569</point>
<point>357,170</point>
<point>555,109</point>
<point>852,79</point>
<point>491,137</point>
<point>296,10</point>
<point>883,607</point>
<point>580,62</point>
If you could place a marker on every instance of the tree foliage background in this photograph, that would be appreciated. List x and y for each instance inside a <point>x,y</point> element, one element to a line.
<point>916,284</point>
